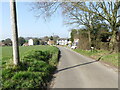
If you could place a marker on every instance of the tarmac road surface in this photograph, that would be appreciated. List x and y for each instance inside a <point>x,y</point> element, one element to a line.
<point>78,71</point>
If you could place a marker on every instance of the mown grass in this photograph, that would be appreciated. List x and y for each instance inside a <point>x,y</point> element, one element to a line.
<point>35,70</point>
<point>106,56</point>
<point>7,50</point>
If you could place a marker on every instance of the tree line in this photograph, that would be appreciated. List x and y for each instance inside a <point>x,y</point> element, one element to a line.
<point>36,41</point>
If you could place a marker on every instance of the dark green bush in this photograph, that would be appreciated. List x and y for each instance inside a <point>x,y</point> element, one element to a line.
<point>25,80</point>
<point>39,66</point>
<point>7,73</point>
<point>39,55</point>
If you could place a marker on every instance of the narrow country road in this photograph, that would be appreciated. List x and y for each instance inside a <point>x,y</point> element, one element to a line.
<point>78,71</point>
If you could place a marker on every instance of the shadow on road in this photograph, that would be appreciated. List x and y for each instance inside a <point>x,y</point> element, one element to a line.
<point>77,65</point>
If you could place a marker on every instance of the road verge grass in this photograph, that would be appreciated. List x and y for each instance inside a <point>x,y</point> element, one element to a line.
<point>103,55</point>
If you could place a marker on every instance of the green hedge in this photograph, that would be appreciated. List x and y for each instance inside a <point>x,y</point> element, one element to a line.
<point>35,70</point>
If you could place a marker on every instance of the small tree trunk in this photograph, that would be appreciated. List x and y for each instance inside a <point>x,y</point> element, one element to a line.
<point>89,37</point>
<point>14,32</point>
<point>113,41</point>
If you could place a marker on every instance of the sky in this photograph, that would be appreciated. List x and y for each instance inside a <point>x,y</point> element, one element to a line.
<point>28,24</point>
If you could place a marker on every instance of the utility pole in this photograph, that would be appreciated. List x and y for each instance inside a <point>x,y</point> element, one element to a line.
<point>89,33</point>
<point>118,15</point>
<point>14,32</point>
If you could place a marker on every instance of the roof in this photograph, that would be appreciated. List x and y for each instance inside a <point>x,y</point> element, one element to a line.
<point>25,43</point>
<point>62,38</point>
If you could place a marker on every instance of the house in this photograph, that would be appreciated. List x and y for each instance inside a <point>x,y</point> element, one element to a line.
<point>62,41</point>
<point>118,36</point>
<point>2,44</point>
<point>30,42</point>
<point>50,42</point>
<point>25,44</point>
<point>69,43</point>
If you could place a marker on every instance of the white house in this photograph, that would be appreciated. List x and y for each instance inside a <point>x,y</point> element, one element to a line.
<point>62,41</point>
<point>30,42</point>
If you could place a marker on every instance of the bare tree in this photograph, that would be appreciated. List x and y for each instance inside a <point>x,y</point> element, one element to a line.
<point>105,10</point>
<point>45,9</point>
<point>14,32</point>
<point>76,16</point>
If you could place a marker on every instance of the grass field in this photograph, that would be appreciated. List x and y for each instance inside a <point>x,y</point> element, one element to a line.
<point>111,59</point>
<point>7,51</point>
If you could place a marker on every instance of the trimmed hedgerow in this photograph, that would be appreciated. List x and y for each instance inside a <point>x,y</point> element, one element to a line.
<point>34,71</point>
<point>39,55</point>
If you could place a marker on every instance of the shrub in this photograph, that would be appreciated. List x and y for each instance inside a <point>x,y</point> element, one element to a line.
<point>39,55</point>
<point>7,73</point>
<point>35,70</point>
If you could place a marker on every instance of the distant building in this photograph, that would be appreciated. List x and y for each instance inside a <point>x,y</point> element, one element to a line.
<point>2,44</point>
<point>50,42</point>
<point>30,42</point>
<point>62,41</point>
<point>69,42</point>
<point>25,44</point>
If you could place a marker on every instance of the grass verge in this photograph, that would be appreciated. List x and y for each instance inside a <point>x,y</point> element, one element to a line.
<point>111,59</point>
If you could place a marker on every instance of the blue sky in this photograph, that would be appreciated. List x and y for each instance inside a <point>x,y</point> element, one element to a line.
<point>28,24</point>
